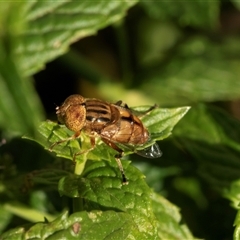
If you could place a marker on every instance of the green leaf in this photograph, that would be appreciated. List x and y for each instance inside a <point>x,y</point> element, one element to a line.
<point>109,224</point>
<point>52,27</point>
<point>26,212</point>
<point>51,132</point>
<point>169,226</point>
<point>198,71</point>
<point>20,108</point>
<point>198,13</point>
<point>212,137</point>
<point>101,188</point>
<point>161,121</point>
<point>84,225</point>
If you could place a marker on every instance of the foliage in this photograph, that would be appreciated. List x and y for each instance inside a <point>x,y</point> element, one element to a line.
<point>176,55</point>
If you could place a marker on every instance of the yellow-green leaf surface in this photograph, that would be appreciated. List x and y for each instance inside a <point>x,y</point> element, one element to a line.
<point>197,71</point>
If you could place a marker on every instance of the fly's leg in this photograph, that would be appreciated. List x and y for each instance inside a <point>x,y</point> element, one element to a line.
<point>141,114</point>
<point>119,163</point>
<point>117,158</point>
<point>150,109</point>
<point>92,139</point>
<point>77,134</point>
<point>121,104</point>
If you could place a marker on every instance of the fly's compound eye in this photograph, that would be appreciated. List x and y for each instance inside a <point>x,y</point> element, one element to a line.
<point>72,113</point>
<point>75,117</point>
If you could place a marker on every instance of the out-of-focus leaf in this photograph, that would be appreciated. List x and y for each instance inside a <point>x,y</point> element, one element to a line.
<point>198,13</point>
<point>200,71</point>
<point>5,217</point>
<point>26,212</point>
<point>20,108</point>
<point>151,47</point>
<point>236,235</point>
<point>49,177</point>
<point>232,193</point>
<point>191,188</point>
<point>211,136</point>
<point>52,27</point>
<point>211,125</point>
<point>236,3</point>
<point>168,215</point>
<point>156,175</point>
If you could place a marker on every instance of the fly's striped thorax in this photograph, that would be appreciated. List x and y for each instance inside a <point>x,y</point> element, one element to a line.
<point>99,114</point>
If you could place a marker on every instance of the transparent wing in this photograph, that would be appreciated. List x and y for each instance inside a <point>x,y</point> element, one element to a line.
<point>152,151</point>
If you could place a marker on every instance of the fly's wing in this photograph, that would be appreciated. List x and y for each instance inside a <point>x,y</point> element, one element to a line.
<point>152,151</point>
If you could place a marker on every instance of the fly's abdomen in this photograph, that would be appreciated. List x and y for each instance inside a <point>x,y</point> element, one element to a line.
<point>133,131</point>
<point>128,129</point>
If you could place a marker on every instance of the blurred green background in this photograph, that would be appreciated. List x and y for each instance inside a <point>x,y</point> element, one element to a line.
<point>182,53</point>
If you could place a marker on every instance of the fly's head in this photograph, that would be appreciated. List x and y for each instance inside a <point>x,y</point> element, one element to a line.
<point>72,113</point>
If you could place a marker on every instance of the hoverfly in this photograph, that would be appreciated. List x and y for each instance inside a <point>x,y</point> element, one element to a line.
<point>113,123</point>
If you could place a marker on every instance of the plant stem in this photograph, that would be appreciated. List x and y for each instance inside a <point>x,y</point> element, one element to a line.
<point>80,165</point>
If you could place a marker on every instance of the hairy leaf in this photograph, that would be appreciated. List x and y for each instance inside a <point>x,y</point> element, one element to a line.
<point>102,189</point>
<point>83,225</point>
